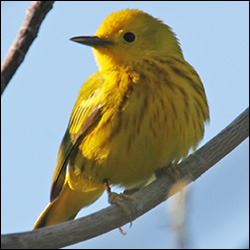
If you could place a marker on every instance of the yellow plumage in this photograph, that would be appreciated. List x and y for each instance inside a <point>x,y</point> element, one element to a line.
<point>142,110</point>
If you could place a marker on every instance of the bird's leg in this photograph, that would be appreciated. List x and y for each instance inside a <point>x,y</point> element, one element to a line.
<point>118,199</point>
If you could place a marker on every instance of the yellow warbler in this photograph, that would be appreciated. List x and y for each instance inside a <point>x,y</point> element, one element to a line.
<point>143,109</point>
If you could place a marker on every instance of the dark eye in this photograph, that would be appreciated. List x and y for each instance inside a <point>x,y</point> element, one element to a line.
<point>129,37</point>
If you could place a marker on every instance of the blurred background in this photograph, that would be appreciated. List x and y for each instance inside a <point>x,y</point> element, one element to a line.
<point>36,106</point>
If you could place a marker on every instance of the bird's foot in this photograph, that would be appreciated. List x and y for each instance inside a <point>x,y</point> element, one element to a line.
<point>121,200</point>
<point>172,170</point>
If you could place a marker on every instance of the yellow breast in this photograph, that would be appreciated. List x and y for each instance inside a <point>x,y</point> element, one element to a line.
<point>151,123</point>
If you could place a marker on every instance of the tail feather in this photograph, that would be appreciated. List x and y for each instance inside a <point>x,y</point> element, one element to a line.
<point>67,205</point>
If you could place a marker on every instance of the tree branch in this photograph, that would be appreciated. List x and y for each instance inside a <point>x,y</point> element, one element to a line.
<point>26,34</point>
<point>193,167</point>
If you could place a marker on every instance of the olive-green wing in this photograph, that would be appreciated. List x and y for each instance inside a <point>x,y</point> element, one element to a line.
<point>85,116</point>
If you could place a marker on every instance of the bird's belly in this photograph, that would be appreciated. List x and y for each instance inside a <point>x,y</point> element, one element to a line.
<point>129,148</point>
<point>126,148</point>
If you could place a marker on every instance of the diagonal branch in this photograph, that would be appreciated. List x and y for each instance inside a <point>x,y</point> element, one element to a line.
<point>26,34</point>
<point>193,167</point>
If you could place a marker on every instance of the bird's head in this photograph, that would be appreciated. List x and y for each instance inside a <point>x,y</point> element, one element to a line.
<point>127,37</point>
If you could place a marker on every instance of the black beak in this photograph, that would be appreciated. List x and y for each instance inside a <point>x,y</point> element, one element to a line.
<point>92,41</point>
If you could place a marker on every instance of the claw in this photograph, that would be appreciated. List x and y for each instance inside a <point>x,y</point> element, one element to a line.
<point>121,231</point>
<point>172,170</point>
<point>118,199</point>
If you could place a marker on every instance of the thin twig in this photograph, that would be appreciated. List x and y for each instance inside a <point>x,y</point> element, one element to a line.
<point>26,34</point>
<point>195,165</point>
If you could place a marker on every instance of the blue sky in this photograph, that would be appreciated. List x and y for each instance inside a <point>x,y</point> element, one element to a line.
<point>36,106</point>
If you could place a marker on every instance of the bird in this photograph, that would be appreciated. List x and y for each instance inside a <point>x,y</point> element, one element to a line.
<point>144,108</point>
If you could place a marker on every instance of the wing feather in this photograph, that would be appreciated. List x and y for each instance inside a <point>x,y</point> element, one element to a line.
<point>85,116</point>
